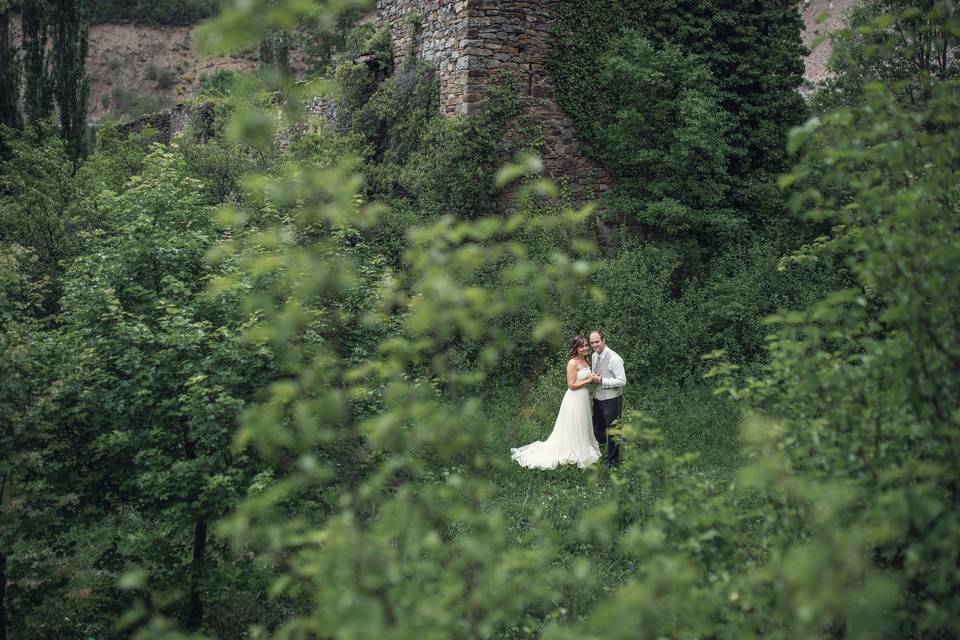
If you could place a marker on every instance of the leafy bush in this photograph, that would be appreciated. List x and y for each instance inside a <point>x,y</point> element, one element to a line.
<point>395,115</point>
<point>755,59</point>
<point>161,76</point>
<point>373,42</point>
<point>39,204</point>
<point>217,84</point>
<point>662,134</point>
<point>875,47</point>
<point>151,395</point>
<point>382,361</point>
<point>327,41</point>
<point>355,84</point>
<point>851,377</point>
<point>453,168</point>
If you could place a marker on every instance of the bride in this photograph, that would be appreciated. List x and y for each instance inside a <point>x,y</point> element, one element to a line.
<point>572,440</point>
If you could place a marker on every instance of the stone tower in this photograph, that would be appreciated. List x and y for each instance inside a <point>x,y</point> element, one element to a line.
<point>469,41</point>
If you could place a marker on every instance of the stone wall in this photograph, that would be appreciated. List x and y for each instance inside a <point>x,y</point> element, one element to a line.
<point>436,31</point>
<point>168,123</point>
<point>470,42</point>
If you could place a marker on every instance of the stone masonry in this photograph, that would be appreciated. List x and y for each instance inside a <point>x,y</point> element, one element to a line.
<point>470,42</point>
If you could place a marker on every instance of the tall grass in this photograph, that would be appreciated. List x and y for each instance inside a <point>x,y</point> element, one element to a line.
<point>558,502</point>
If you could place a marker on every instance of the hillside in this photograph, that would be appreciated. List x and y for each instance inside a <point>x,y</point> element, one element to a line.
<point>137,69</point>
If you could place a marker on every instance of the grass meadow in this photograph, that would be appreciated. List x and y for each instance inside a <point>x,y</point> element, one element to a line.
<point>692,420</point>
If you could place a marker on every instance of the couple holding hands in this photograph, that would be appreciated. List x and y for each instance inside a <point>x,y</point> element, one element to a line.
<point>578,430</point>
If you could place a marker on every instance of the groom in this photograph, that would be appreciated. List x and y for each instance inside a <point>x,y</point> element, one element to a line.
<point>608,373</point>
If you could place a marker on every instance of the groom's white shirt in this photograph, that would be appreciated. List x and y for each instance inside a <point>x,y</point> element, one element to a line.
<point>615,378</point>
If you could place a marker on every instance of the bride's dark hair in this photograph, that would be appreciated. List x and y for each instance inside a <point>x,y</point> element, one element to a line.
<point>578,341</point>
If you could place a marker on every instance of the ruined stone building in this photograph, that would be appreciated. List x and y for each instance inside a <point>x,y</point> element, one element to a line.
<point>470,42</point>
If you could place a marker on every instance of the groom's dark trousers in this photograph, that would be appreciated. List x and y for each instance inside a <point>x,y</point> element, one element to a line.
<point>604,414</point>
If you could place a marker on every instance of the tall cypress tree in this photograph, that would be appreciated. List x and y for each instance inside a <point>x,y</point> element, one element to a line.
<point>38,95</point>
<point>71,83</point>
<point>9,73</point>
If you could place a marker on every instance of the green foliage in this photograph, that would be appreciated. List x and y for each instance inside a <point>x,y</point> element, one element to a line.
<point>327,149</point>
<point>391,116</point>
<point>688,105</point>
<point>862,379</point>
<point>439,165</point>
<point>897,42</point>
<point>662,136</point>
<point>38,86</point>
<point>355,83</point>
<point>126,104</point>
<point>397,113</point>
<point>150,375</point>
<point>217,84</point>
<point>161,76</point>
<point>71,83</point>
<point>452,170</point>
<point>275,52</point>
<point>325,41</point>
<point>440,576</point>
<point>58,73</point>
<point>219,168</point>
<point>153,12</point>
<point>371,42</point>
<point>39,206</point>
<point>9,74</point>
<point>383,360</point>
<point>754,57</point>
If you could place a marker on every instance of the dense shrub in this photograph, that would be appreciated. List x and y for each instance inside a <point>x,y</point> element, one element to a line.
<point>754,57</point>
<point>860,379</point>
<point>662,134</point>
<point>914,52</point>
<point>452,170</point>
<point>154,12</point>
<point>161,76</point>
<point>325,42</point>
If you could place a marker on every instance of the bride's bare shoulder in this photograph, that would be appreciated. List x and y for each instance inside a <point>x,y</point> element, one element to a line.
<point>572,362</point>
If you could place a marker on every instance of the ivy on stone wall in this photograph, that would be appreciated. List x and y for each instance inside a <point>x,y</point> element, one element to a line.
<point>753,53</point>
<point>438,164</point>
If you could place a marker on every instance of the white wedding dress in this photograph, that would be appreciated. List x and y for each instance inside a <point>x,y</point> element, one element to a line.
<point>571,441</point>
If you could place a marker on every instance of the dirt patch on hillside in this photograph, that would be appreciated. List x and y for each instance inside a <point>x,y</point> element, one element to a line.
<point>155,65</point>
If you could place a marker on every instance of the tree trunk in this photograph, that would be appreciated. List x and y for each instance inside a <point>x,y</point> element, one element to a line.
<point>3,596</point>
<point>195,617</point>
